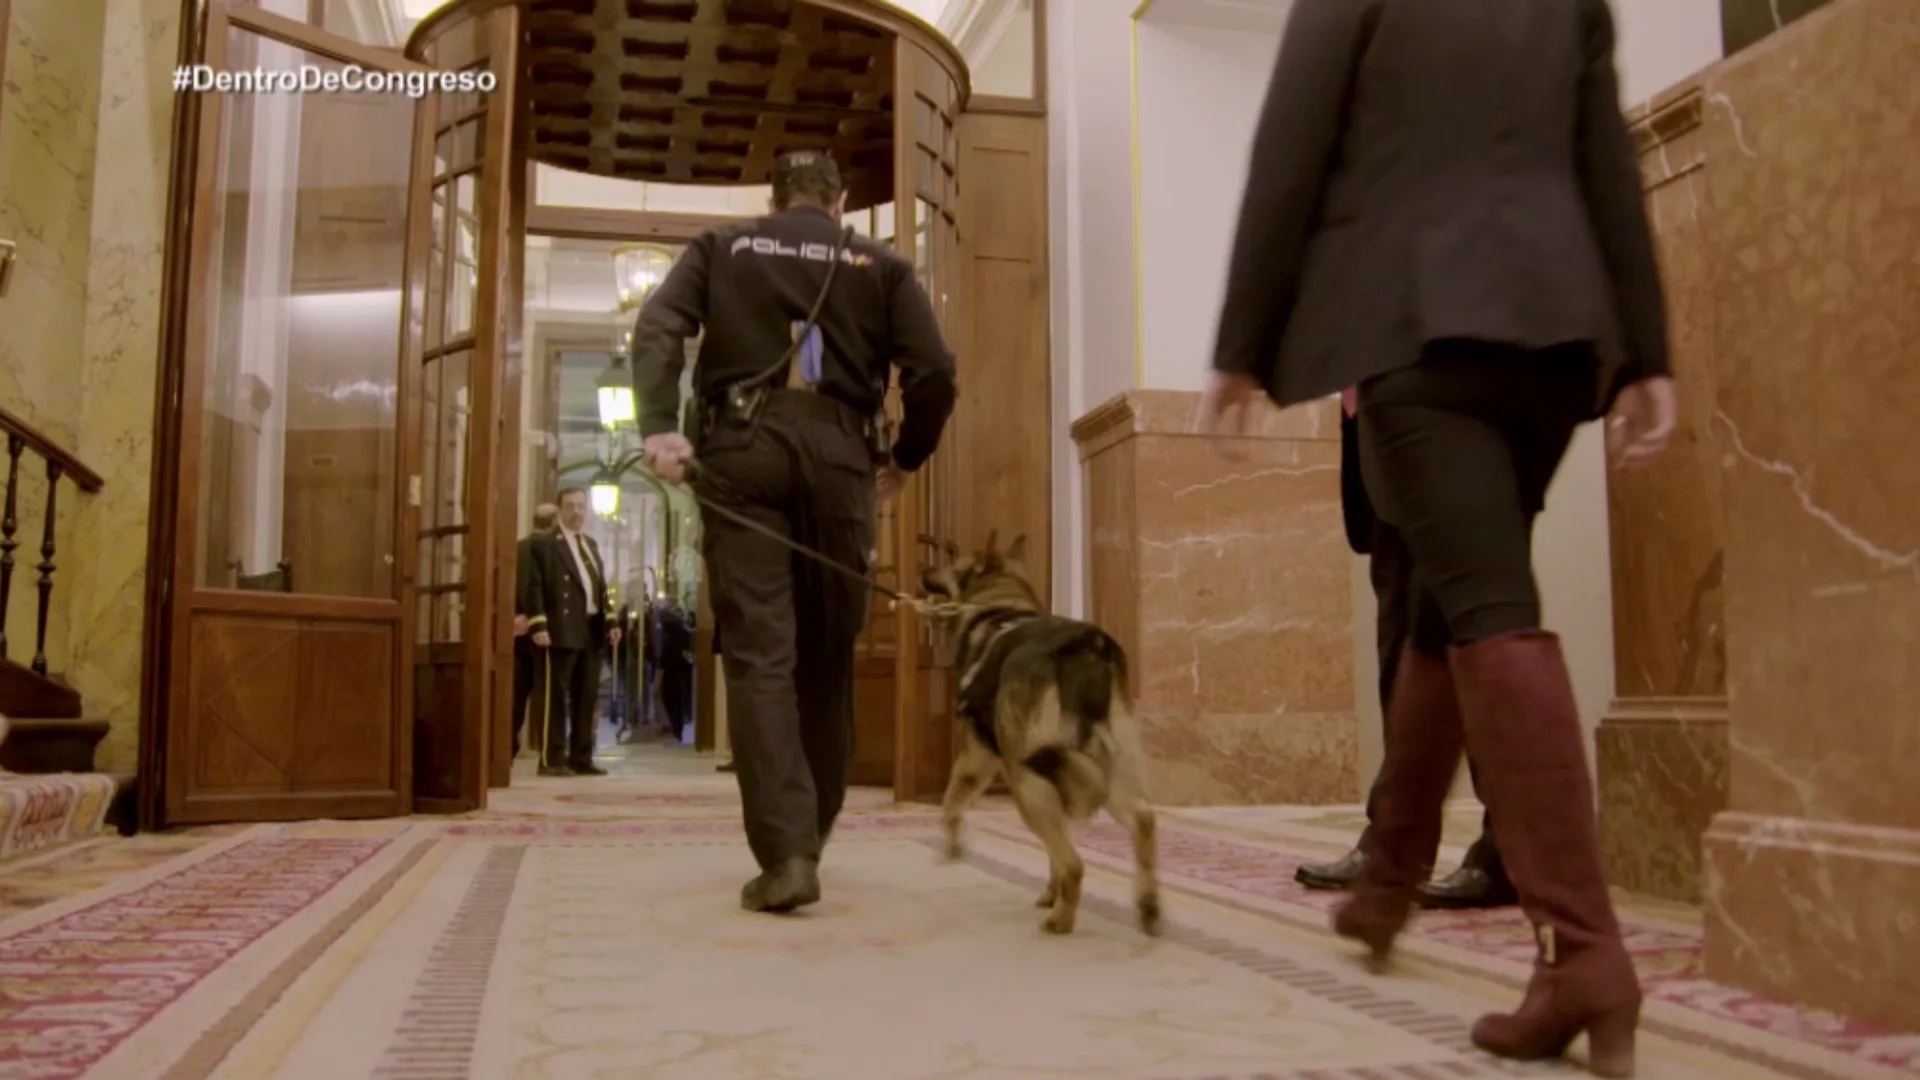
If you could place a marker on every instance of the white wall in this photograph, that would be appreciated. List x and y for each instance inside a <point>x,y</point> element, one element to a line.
<point>1090,222</point>
<point>1199,92</point>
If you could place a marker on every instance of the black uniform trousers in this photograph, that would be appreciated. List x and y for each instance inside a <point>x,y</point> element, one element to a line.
<point>803,472</point>
<point>1458,451</point>
<point>572,678</point>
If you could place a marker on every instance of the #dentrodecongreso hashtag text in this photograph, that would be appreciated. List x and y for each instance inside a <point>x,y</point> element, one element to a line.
<point>315,79</point>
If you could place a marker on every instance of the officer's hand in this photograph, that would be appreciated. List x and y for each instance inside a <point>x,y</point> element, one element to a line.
<point>542,638</point>
<point>1225,409</point>
<point>888,481</point>
<point>667,455</point>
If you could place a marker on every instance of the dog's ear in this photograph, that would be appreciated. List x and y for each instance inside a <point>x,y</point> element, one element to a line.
<point>1017,552</point>
<point>940,581</point>
<point>989,561</point>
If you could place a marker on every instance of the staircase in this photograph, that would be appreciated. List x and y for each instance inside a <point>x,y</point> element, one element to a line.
<point>50,793</point>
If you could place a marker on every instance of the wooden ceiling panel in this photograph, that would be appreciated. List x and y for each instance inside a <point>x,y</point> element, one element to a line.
<point>709,91</point>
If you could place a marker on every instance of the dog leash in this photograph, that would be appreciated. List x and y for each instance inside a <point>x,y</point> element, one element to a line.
<point>894,597</point>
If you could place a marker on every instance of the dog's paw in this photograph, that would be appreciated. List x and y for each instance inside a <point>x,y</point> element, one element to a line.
<point>1059,922</point>
<point>953,851</point>
<point>1047,899</point>
<point>1148,910</point>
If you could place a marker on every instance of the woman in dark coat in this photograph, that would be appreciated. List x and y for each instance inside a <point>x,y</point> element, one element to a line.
<point>1444,209</point>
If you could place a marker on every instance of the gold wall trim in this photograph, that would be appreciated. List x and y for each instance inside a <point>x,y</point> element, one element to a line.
<point>1133,150</point>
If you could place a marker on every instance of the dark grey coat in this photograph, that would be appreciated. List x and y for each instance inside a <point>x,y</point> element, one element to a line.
<point>1433,169</point>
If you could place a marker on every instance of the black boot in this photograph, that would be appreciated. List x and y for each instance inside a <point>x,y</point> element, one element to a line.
<point>1480,882</point>
<point>1338,875</point>
<point>793,884</point>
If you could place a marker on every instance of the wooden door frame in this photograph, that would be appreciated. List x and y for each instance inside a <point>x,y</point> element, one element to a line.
<point>487,630</point>
<point>633,226</point>
<point>180,418</point>
<point>641,226</point>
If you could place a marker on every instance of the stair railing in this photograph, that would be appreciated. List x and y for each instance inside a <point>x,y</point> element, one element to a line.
<point>60,464</point>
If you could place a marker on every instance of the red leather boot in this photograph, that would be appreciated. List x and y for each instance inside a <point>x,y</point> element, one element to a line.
<point>1523,731</point>
<point>1424,741</point>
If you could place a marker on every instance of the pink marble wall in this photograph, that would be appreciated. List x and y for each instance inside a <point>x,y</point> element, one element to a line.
<point>1229,584</point>
<point>1813,178</point>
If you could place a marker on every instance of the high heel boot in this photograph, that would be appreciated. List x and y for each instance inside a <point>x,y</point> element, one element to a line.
<point>1424,741</point>
<point>1523,732</point>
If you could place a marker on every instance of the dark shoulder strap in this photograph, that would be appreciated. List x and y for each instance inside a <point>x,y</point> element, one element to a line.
<point>779,367</point>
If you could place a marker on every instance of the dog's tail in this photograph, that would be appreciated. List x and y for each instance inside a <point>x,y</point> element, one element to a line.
<point>1090,676</point>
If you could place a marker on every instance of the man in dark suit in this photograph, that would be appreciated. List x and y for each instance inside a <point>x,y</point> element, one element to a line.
<point>566,609</point>
<point>1481,880</point>
<point>526,658</point>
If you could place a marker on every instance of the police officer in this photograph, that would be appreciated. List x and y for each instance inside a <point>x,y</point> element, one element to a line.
<point>803,321</point>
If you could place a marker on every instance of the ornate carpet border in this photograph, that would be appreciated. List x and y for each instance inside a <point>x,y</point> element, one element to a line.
<point>82,982</point>
<point>1445,1032</point>
<point>1499,945</point>
<point>437,1031</point>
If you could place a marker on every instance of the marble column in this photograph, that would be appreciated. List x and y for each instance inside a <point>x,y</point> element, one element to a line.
<point>119,364</point>
<point>1744,22</point>
<point>1228,582</point>
<point>1661,749</point>
<point>1814,179</point>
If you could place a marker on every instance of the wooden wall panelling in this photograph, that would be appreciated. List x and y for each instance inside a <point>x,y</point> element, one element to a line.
<point>1004,418</point>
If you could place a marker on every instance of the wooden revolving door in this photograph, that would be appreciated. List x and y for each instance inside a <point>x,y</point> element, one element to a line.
<point>710,92</point>
<point>335,527</point>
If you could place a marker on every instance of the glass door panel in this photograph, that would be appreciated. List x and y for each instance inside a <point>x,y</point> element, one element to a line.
<point>285,669</point>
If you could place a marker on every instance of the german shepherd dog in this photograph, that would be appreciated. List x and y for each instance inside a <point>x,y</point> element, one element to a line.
<point>1043,701</point>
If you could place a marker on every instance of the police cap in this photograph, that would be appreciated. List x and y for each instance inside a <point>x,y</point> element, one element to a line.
<point>805,172</point>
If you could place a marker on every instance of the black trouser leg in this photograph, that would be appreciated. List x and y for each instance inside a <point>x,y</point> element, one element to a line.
<point>1458,453</point>
<point>835,613</point>
<point>558,675</point>
<point>753,605</point>
<point>583,688</point>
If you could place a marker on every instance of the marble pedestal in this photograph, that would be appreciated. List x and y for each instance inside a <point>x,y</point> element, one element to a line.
<point>1660,751</point>
<point>1814,180</point>
<point>1229,584</point>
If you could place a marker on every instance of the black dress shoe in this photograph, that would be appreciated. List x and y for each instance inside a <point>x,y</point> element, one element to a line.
<point>586,768</point>
<point>1334,876</point>
<point>793,884</point>
<point>555,770</point>
<point>1467,889</point>
<point>725,766</point>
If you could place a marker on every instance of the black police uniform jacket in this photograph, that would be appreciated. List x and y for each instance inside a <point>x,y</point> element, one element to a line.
<point>748,284</point>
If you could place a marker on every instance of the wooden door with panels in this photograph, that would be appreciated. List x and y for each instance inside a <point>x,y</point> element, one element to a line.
<point>285,685</point>
<point>925,522</point>
<point>467,408</point>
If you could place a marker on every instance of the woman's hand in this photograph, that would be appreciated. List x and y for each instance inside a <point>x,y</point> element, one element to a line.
<point>1642,422</point>
<point>1224,410</point>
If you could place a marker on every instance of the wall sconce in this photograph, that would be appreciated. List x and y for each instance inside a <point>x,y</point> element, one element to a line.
<point>638,270</point>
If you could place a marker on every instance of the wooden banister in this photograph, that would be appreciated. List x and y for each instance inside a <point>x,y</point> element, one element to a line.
<point>72,467</point>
